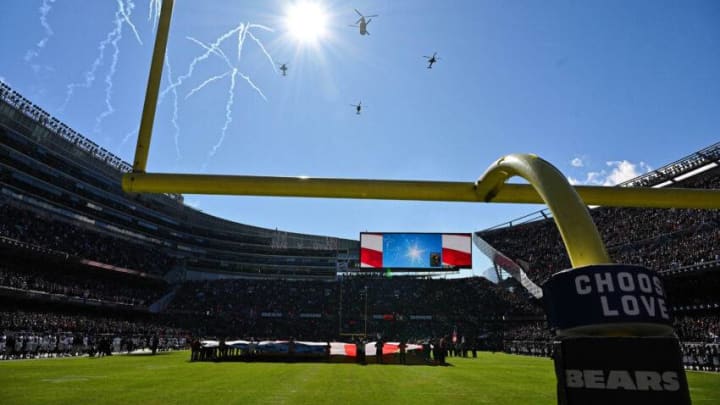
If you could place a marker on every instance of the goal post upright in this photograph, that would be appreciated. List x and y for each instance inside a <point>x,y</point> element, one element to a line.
<point>573,305</point>
<point>142,149</point>
<point>582,239</point>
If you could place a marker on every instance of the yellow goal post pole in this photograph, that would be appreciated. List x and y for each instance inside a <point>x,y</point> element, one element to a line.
<point>142,149</point>
<point>416,190</point>
<point>547,184</point>
<point>582,239</point>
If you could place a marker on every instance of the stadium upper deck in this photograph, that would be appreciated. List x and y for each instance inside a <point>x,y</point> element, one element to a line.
<point>667,240</point>
<point>55,181</point>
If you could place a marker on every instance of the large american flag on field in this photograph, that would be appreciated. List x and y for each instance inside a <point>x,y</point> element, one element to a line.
<point>350,349</point>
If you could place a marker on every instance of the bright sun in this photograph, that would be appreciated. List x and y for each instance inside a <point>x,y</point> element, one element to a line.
<point>306,21</point>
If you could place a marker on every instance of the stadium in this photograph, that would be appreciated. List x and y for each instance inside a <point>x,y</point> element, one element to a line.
<point>110,296</point>
<point>175,273</point>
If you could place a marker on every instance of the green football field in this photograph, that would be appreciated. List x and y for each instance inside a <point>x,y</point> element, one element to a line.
<point>170,378</point>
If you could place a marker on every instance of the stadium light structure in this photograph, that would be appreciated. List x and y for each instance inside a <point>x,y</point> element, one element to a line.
<point>579,303</point>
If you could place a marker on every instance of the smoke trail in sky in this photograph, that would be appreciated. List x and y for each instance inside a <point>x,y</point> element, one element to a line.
<point>127,136</point>
<point>154,12</point>
<point>241,41</point>
<point>215,49</point>
<point>112,38</point>
<point>260,44</point>
<point>109,109</point>
<point>262,27</point>
<point>119,19</point>
<point>205,83</point>
<point>262,47</point>
<point>195,61</point>
<point>90,74</point>
<point>44,11</point>
<point>212,49</point>
<point>221,54</point>
<point>174,119</point>
<point>126,16</point>
<point>228,116</point>
<point>252,84</point>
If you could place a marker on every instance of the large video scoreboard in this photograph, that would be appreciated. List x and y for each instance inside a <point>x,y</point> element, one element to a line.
<point>415,251</point>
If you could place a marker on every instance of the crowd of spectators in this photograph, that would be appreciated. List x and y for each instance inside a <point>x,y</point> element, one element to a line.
<point>42,333</point>
<point>699,336</point>
<point>99,287</point>
<point>260,308</point>
<point>527,331</point>
<point>27,345</point>
<point>659,239</point>
<point>703,357</point>
<point>401,307</point>
<point>38,321</point>
<point>698,328</point>
<point>693,290</point>
<point>44,231</point>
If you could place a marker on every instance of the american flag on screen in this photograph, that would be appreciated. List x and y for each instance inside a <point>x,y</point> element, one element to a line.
<point>456,250</point>
<point>371,250</point>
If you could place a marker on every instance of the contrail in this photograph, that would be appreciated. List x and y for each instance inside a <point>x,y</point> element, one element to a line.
<point>195,61</point>
<point>109,109</point>
<point>262,27</point>
<point>250,82</point>
<point>90,74</point>
<point>154,13</point>
<point>174,119</point>
<point>228,116</point>
<point>126,16</point>
<point>112,38</point>
<point>206,82</point>
<point>242,31</point>
<point>127,136</point>
<point>245,32</point>
<point>241,41</point>
<point>210,49</point>
<point>218,52</point>
<point>267,54</point>
<point>44,11</point>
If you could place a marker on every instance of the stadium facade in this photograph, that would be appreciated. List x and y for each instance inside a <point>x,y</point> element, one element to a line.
<point>79,256</point>
<point>50,169</point>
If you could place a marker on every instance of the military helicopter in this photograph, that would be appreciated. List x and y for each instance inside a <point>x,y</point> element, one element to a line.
<point>362,23</point>
<point>431,59</point>
<point>358,107</point>
<point>283,69</point>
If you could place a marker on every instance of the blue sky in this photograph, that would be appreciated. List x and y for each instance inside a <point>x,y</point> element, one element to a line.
<point>602,89</point>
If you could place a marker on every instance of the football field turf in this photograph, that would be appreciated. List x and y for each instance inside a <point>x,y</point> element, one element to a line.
<point>170,379</point>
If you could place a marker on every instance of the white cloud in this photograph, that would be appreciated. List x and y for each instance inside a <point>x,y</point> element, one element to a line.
<point>623,171</point>
<point>577,162</point>
<point>618,172</point>
<point>596,177</point>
